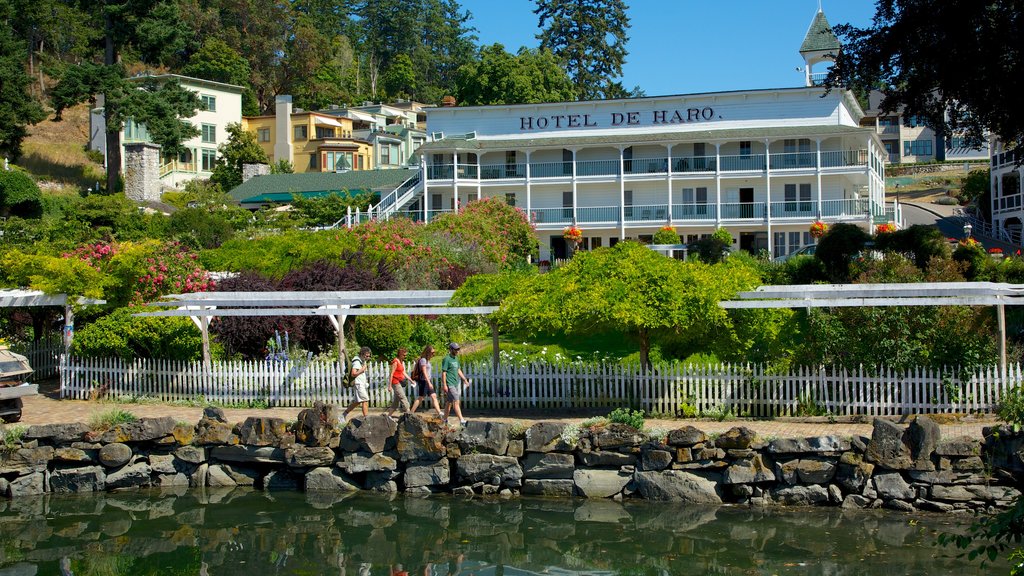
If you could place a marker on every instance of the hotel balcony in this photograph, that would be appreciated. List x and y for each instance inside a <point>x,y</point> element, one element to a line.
<point>658,167</point>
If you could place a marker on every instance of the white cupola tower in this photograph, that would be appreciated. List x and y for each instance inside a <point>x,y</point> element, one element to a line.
<point>820,45</point>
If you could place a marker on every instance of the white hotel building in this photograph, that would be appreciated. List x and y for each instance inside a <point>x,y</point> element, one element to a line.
<point>764,164</point>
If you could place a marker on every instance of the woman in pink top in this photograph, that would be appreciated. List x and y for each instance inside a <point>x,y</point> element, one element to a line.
<point>424,386</point>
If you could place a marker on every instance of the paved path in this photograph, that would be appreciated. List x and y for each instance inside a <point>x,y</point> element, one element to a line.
<point>45,409</point>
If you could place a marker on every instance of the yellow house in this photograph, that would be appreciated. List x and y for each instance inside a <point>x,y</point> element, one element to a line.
<point>312,142</point>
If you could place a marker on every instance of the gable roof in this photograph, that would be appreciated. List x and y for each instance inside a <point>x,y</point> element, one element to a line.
<point>819,36</point>
<point>281,187</point>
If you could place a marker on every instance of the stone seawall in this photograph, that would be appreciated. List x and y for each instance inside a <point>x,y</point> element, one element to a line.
<point>899,467</point>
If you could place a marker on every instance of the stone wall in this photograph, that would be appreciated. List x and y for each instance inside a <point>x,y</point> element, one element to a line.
<point>898,467</point>
<point>142,172</point>
<point>250,171</point>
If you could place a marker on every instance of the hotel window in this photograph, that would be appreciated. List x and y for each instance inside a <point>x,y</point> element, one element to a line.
<point>209,102</point>
<point>511,169</point>
<point>566,162</point>
<point>209,133</point>
<point>915,121</point>
<point>325,132</point>
<point>794,242</point>
<point>887,121</point>
<point>510,198</point>
<point>337,161</point>
<point>300,132</point>
<point>185,156</point>
<point>701,199</point>
<point>314,161</point>
<point>209,159</point>
<point>263,134</point>
<point>627,202</point>
<point>700,161</point>
<point>385,154</point>
<point>779,249</point>
<point>745,148</point>
<point>917,148</point>
<point>627,160</point>
<point>567,205</point>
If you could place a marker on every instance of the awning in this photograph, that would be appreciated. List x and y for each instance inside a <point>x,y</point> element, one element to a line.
<point>324,121</point>
<point>361,116</point>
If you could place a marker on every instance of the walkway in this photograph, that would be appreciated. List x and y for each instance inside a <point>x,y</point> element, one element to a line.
<point>45,409</point>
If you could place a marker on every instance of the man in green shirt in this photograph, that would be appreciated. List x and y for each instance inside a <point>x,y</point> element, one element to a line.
<point>452,380</point>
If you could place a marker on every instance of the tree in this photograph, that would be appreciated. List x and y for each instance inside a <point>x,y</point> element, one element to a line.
<point>241,148</point>
<point>914,52</point>
<point>400,77</point>
<point>19,195</point>
<point>627,288</point>
<point>153,31</point>
<point>18,108</point>
<point>530,77</point>
<point>219,62</point>
<point>589,38</point>
<point>838,247</point>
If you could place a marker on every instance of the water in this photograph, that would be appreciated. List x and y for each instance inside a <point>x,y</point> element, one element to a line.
<point>253,533</point>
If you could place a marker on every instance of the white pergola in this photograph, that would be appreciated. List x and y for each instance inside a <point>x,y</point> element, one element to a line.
<point>201,307</point>
<point>906,294</point>
<point>23,298</point>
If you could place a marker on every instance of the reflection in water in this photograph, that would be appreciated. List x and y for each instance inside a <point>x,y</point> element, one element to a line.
<point>240,531</point>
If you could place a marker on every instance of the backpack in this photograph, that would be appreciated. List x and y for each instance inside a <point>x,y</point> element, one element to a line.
<point>417,371</point>
<point>348,380</point>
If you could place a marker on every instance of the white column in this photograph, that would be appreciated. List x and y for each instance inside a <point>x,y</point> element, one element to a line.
<point>574,202</point>
<point>478,196</point>
<point>426,196</point>
<point>622,197</point>
<point>817,173</point>
<point>455,181</point>
<point>529,197</point>
<point>668,183</point>
<point>768,193</point>
<point>718,185</point>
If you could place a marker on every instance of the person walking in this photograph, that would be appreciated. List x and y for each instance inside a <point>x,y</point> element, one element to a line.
<point>424,385</point>
<point>361,384</point>
<point>453,382</point>
<point>397,383</point>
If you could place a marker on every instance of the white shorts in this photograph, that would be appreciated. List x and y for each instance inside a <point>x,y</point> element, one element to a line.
<point>361,391</point>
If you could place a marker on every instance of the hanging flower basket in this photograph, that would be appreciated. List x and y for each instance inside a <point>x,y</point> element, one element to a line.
<point>572,234</point>
<point>818,229</point>
<point>887,228</point>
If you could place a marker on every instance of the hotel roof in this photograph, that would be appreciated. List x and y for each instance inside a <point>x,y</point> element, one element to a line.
<point>819,36</point>
<point>281,187</point>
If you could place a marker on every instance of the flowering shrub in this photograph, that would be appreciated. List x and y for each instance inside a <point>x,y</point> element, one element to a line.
<point>818,229</point>
<point>995,251</point>
<point>572,234</point>
<point>969,243</point>
<point>886,228</point>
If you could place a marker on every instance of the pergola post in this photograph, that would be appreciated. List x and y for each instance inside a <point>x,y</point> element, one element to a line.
<point>340,322</point>
<point>204,329</point>
<point>69,327</point>
<point>495,356</point>
<point>1001,314</point>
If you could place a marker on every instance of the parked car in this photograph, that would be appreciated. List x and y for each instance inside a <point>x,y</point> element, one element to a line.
<point>805,251</point>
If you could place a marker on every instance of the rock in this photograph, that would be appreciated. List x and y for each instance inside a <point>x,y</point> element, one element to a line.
<point>484,438</point>
<point>420,438</point>
<point>370,434</point>
<point>676,485</point>
<point>248,454</point>
<point>162,464</point>
<point>891,485</point>
<point>497,470</point>
<point>213,432</point>
<point>29,485</point>
<point>546,437</point>
<point>616,435</point>
<point>962,446</point>
<point>381,482</point>
<point>366,462</point>
<point>815,470</point>
<point>282,481</point>
<point>938,477</point>
<point>516,449</point>
<point>923,436</point>
<point>886,447</point>
<point>933,506</point>
<point>973,492</point>
<point>308,456</point>
<point>686,436</point>
<point>215,414</point>
<point>198,478</point>
<point>739,437</point>
<point>457,491</point>
<point>142,430</point>
<point>684,455</point>
<point>73,480</point>
<point>191,454</point>
<point>25,460</point>
<point>898,505</point>
<point>786,471</point>
<point>74,455</point>
<point>131,476</point>
<point>558,488</point>
<point>430,474</point>
<point>655,459</point>
<point>748,471</point>
<point>114,455</point>
<point>242,475</point>
<point>183,434</point>
<point>217,477</point>
<point>853,501</point>
<point>262,431</point>
<point>800,495</point>
<point>56,433</point>
<point>550,465</point>
<point>315,425</point>
<point>969,464</point>
<point>852,472</point>
<point>835,495</point>
<point>599,483</point>
<point>602,459</point>
<point>170,480</point>
<point>329,480</point>
<point>814,444</point>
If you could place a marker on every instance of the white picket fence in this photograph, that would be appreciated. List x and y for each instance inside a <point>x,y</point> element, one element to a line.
<point>747,390</point>
<point>43,357</point>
